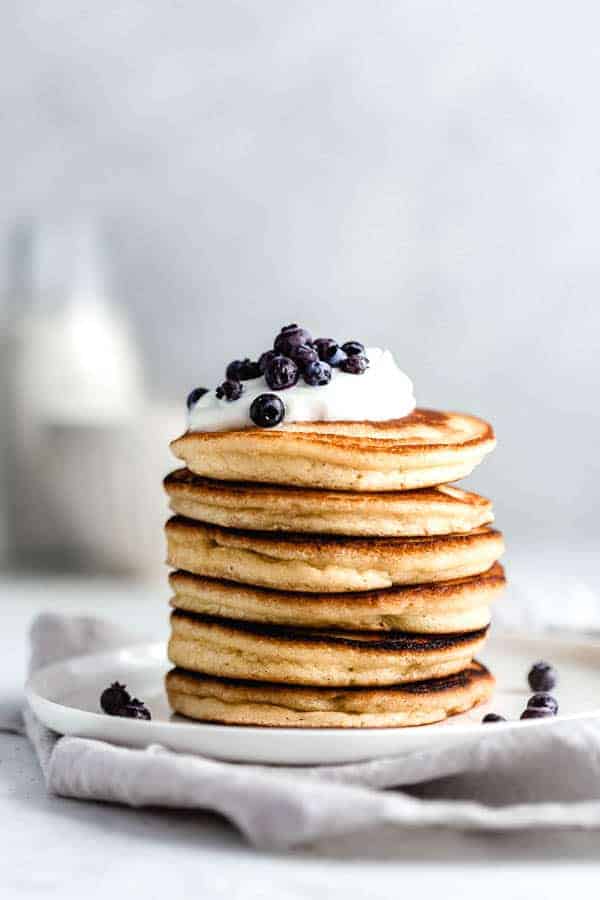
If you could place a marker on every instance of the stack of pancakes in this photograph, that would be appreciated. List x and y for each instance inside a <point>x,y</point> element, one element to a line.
<point>328,576</point>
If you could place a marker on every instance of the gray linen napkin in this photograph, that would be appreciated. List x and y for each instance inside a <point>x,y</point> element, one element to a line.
<point>544,777</point>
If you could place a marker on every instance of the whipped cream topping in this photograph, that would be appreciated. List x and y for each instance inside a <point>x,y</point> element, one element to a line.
<point>382,392</point>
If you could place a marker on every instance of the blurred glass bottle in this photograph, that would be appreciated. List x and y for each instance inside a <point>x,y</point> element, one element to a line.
<point>75,367</point>
<point>14,298</point>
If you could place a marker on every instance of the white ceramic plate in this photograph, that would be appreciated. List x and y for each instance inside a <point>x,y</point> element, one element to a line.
<point>65,697</point>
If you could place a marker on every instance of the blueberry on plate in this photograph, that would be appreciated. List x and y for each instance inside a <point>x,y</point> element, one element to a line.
<point>267,410</point>
<point>290,337</point>
<point>194,396</point>
<point>355,365</point>
<point>326,348</point>
<point>304,355</point>
<point>542,676</point>
<point>242,370</point>
<point>264,359</point>
<point>543,700</point>
<point>230,390</point>
<point>317,373</point>
<point>337,359</point>
<point>493,717</point>
<point>135,709</point>
<point>533,712</point>
<point>281,373</point>
<point>114,698</point>
<point>353,348</point>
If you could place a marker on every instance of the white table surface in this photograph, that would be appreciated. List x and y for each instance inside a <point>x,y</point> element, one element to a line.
<point>56,847</point>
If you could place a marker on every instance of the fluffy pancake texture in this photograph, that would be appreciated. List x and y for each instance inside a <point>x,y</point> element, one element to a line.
<point>250,703</point>
<point>310,657</point>
<point>260,507</point>
<point>423,449</point>
<point>445,608</point>
<point>297,562</point>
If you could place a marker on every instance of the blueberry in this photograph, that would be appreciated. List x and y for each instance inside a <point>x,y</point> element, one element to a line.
<point>353,348</point>
<point>326,348</point>
<point>135,709</point>
<point>242,370</point>
<point>317,373</point>
<point>337,359</point>
<point>290,337</point>
<point>281,373</point>
<point>355,365</point>
<point>264,359</point>
<point>267,410</point>
<point>543,701</point>
<point>542,676</point>
<point>114,698</point>
<point>304,355</point>
<point>230,390</point>
<point>493,717</point>
<point>195,395</point>
<point>533,712</point>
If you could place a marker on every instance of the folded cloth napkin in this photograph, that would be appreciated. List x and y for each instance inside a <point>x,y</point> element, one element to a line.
<point>545,777</point>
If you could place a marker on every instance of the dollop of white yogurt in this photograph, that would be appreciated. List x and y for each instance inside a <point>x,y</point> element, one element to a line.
<point>381,393</point>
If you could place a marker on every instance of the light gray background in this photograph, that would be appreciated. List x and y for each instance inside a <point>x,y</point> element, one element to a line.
<point>419,174</point>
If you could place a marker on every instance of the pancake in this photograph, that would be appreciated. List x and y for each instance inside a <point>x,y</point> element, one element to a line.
<point>259,507</point>
<point>235,702</point>
<point>451,607</point>
<point>296,562</point>
<point>230,649</point>
<point>422,449</point>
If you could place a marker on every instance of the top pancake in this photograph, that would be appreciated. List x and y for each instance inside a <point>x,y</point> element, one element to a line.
<point>420,450</point>
<point>261,507</point>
